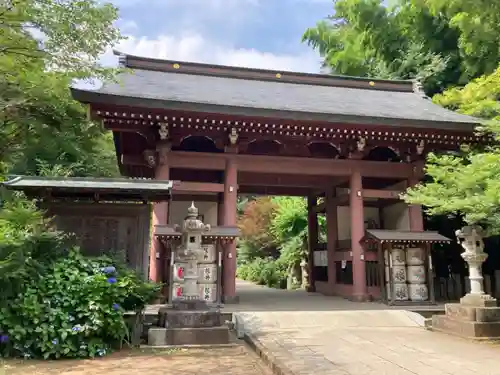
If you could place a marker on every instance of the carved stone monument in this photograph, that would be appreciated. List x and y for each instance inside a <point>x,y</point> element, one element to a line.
<point>477,315</point>
<point>193,316</point>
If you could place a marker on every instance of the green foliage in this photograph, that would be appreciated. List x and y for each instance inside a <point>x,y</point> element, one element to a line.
<point>467,184</point>
<point>439,42</point>
<point>478,26</point>
<point>479,98</point>
<point>75,309</point>
<point>45,45</point>
<point>264,271</point>
<point>54,302</point>
<point>273,223</point>
<point>71,35</point>
<point>369,39</point>
<point>289,227</point>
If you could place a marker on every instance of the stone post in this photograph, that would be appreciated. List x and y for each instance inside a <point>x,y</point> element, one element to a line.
<point>471,239</point>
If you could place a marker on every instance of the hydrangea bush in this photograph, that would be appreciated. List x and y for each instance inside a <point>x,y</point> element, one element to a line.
<point>75,309</point>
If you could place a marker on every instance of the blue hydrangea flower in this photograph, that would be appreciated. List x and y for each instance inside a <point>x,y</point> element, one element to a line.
<point>108,270</point>
<point>116,306</point>
<point>4,339</point>
<point>76,328</point>
<point>111,280</point>
<point>54,341</point>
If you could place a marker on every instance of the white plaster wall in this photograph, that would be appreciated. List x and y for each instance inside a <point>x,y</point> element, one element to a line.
<point>344,220</point>
<point>178,211</point>
<point>396,216</point>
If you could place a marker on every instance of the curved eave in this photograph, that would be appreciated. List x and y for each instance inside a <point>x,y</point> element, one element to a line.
<point>94,97</point>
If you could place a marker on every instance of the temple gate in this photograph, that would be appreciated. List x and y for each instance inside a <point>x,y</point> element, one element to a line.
<point>350,145</point>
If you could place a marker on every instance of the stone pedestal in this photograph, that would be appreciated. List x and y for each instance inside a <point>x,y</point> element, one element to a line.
<point>469,321</point>
<point>477,315</point>
<point>189,323</point>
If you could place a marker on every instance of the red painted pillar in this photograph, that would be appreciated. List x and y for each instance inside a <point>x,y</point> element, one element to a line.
<point>230,203</point>
<point>159,217</point>
<point>331,236</point>
<point>357,233</point>
<point>220,222</point>
<point>415,211</point>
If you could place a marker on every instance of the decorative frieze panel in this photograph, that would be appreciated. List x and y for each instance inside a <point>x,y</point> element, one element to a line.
<point>237,127</point>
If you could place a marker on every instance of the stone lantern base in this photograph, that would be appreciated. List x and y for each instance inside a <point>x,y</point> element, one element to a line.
<point>476,317</point>
<point>188,323</point>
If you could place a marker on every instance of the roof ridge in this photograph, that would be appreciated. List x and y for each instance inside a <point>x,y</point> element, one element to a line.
<point>196,68</point>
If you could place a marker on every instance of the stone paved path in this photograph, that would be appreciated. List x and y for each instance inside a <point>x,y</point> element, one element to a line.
<point>237,360</point>
<point>361,341</point>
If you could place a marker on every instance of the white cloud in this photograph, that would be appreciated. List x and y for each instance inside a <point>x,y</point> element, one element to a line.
<point>194,47</point>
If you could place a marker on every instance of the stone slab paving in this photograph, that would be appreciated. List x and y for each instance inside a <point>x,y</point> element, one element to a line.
<point>362,343</point>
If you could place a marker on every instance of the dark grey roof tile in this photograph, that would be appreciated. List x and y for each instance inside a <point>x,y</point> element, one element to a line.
<point>222,91</point>
<point>386,235</point>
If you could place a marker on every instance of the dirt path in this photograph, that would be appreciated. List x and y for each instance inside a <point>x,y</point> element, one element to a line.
<point>237,360</point>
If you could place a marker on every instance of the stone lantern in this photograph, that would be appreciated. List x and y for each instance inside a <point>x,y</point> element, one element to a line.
<point>477,315</point>
<point>193,316</point>
<point>471,239</point>
<point>189,256</point>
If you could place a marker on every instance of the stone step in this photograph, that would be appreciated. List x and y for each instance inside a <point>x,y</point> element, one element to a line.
<point>188,336</point>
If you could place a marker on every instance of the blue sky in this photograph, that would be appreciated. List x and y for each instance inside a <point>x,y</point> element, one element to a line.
<point>249,33</point>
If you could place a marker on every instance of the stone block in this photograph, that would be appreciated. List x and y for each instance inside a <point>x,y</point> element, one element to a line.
<point>488,314</point>
<point>198,336</point>
<point>460,312</point>
<point>157,336</point>
<point>481,300</point>
<point>190,319</point>
<point>464,328</point>
<point>472,313</point>
<point>189,305</point>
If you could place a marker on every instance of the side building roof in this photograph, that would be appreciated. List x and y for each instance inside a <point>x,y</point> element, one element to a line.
<point>90,187</point>
<point>176,85</point>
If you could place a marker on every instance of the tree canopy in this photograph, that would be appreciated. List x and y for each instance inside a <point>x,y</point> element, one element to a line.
<point>46,45</point>
<point>430,40</point>
<point>467,184</point>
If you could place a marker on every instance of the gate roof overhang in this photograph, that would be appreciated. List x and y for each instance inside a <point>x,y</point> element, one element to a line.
<point>90,188</point>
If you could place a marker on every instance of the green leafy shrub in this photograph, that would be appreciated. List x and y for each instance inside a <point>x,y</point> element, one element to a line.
<point>269,272</point>
<point>74,310</point>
